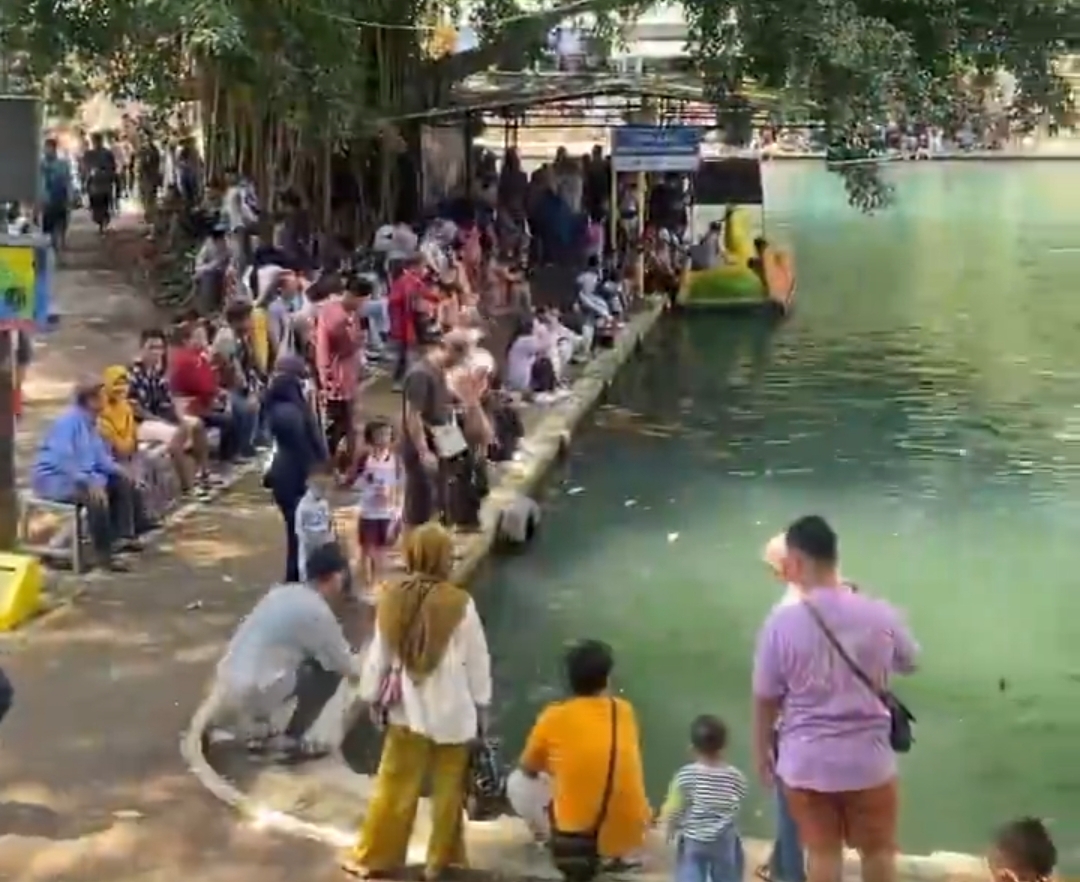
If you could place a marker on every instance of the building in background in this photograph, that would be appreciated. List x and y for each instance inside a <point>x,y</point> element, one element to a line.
<point>655,43</point>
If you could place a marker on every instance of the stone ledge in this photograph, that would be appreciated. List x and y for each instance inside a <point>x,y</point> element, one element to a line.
<point>547,440</point>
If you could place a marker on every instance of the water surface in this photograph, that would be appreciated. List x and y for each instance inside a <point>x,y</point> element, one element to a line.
<point>926,399</point>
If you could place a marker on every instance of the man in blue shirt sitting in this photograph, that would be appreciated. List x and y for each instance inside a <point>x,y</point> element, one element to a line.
<point>73,464</point>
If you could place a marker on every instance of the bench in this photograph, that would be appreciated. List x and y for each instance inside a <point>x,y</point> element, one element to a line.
<point>64,544</point>
<point>63,539</point>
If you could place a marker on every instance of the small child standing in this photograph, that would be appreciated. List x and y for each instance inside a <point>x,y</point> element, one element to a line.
<point>377,478</point>
<point>1022,851</point>
<point>702,804</point>
<point>314,523</point>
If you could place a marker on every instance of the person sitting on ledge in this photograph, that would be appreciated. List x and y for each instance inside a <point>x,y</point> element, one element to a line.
<point>159,421</point>
<point>582,767</point>
<point>290,646</point>
<point>193,382</point>
<point>73,465</point>
<point>117,426</point>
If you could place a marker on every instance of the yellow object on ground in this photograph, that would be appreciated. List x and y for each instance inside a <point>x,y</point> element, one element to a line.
<point>21,581</point>
<point>387,826</point>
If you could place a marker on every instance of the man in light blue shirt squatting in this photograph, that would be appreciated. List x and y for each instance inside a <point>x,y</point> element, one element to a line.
<point>73,465</point>
<point>291,646</point>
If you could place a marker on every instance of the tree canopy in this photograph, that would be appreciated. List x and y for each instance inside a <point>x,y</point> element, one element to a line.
<point>331,70</point>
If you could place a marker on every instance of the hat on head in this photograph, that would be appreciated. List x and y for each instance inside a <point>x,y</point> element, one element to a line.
<point>325,561</point>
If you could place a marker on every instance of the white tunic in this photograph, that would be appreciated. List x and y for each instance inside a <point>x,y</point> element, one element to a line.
<point>443,705</point>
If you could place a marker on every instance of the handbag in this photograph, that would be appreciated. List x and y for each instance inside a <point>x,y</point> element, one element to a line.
<point>485,794</point>
<point>449,441</point>
<point>577,855</point>
<point>390,692</point>
<point>901,720</point>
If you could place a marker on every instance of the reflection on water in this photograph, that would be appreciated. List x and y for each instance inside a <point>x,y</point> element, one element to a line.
<point>926,399</point>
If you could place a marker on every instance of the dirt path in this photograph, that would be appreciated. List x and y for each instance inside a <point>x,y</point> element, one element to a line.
<point>92,786</point>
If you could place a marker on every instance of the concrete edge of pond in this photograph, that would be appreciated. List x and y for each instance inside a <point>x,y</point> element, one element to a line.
<point>281,799</point>
<point>549,439</point>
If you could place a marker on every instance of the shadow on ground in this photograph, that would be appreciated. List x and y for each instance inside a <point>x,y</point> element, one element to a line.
<point>92,786</point>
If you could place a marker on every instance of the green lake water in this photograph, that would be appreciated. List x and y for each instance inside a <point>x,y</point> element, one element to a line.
<point>925,397</point>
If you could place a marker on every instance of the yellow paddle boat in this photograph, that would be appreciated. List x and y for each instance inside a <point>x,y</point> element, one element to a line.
<point>744,272</point>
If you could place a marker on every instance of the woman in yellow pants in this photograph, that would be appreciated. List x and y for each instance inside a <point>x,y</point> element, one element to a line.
<point>427,676</point>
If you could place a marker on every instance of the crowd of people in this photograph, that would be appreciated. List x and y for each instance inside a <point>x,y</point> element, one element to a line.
<point>825,737</point>
<point>289,324</point>
<point>278,366</point>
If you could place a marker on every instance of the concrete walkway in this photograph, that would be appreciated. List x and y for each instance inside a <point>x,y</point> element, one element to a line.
<point>92,785</point>
<point>100,317</point>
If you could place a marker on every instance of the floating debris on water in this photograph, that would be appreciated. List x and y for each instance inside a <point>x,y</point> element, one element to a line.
<point>574,491</point>
<point>629,503</point>
<point>672,537</point>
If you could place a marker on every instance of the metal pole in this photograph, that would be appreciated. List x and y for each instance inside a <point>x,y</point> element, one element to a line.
<point>639,272</point>
<point>613,197</point>
<point>9,500</point>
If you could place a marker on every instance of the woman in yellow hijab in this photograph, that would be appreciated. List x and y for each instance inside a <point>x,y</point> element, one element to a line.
<point>117,425</point>
<point>116,422</point>
<point>427,677</point>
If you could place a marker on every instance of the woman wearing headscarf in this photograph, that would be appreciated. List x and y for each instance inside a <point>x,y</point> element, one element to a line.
<point>427,677</point>
<point>117,426</point>
<point>298,448</point>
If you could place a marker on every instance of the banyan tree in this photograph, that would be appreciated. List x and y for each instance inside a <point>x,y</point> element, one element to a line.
<point>325,95</point>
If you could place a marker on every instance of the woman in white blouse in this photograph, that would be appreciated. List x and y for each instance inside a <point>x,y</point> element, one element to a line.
<point>427,677</point>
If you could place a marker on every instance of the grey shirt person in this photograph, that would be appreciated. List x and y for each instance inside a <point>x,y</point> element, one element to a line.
<point>291,625</point>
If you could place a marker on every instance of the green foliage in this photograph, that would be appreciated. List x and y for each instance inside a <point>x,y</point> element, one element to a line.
<point>863,64</point>
<point>315,64</point>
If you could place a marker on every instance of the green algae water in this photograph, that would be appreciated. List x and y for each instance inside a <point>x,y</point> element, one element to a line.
<point>925,398</point>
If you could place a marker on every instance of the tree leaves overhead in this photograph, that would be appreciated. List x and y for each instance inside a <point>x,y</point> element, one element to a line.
<point>860,64</point>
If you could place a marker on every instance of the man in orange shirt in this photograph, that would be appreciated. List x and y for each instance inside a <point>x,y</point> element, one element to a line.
<point>587,751</point>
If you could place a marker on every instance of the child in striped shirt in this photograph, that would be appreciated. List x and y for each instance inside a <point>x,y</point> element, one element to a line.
<point>703,801</point>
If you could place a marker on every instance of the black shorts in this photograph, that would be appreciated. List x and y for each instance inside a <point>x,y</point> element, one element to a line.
<point>375,533</point>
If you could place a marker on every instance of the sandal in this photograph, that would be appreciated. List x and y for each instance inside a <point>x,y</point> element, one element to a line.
<point>763,873</point>
<point>354,868</point>
<point>291,751</point>
<point>621,865</point>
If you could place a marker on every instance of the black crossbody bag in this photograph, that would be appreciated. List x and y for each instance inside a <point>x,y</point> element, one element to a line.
<point>577,855</point>
<point>901,720</point>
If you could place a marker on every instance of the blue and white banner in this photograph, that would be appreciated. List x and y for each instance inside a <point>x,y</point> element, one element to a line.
<point>656,148</point>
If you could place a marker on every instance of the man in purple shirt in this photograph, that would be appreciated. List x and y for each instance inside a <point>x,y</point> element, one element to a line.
<point>832,753</point>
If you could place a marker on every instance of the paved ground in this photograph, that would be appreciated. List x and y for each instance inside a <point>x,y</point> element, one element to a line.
<point>92,786</point>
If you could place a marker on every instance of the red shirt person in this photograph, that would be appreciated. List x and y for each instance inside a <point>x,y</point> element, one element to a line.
<point>339,342</point>
<point>191,375</point>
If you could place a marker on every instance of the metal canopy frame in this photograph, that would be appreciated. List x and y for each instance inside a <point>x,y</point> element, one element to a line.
<point>600,99</point>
